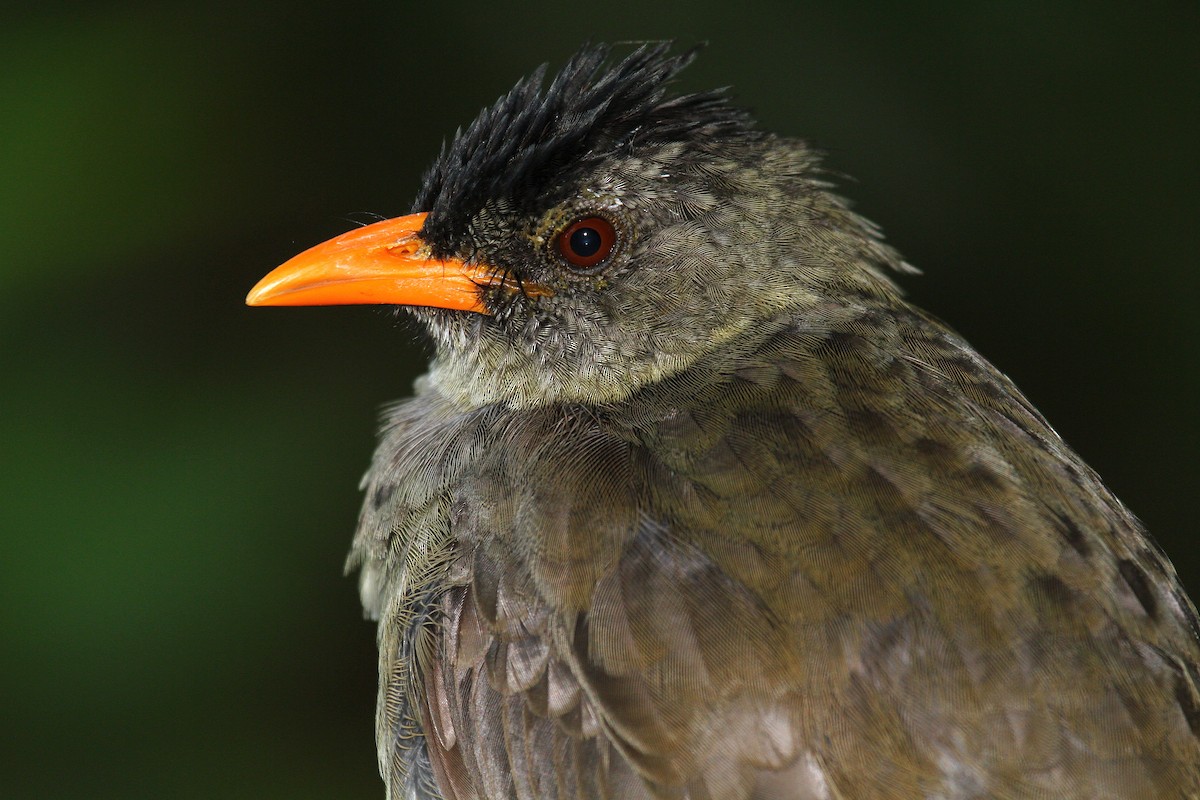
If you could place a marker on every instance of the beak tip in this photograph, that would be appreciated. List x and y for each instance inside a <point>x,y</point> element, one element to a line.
<point>258,296</point>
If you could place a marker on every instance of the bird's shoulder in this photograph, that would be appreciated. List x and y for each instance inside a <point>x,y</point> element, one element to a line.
<point>860,518</point>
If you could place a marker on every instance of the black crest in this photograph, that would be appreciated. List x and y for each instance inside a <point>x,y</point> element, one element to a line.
<point>537,138</point>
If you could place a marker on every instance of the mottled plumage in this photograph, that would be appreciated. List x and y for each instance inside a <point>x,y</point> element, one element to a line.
<point>728,518</point>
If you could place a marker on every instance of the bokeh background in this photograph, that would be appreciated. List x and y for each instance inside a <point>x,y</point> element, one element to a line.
<point>179,471</point>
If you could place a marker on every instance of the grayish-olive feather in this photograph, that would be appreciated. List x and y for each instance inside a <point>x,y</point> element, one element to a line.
<point>727,518</point>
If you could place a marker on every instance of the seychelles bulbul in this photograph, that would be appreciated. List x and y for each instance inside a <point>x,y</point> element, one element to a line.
<point>691,503</point>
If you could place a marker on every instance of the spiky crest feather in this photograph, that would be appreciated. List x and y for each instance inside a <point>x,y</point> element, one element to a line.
<point>534,140</point>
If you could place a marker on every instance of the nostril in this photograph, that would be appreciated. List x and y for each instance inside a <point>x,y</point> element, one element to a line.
<point>405,247</point>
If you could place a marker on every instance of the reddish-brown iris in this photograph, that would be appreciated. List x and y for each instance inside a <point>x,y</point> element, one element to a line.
<point>586,243</point>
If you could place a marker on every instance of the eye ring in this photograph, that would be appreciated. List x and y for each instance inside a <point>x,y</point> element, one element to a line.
<point>587,242</point>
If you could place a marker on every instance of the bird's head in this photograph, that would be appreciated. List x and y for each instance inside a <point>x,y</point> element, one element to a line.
<point>582,239</point>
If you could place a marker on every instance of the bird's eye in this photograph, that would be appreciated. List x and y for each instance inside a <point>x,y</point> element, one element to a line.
<point>586,243</point>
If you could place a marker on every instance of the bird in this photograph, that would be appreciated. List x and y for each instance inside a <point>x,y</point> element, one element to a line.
<point>692,503</point>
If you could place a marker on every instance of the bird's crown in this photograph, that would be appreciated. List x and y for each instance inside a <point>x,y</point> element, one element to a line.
<point>536,137</point>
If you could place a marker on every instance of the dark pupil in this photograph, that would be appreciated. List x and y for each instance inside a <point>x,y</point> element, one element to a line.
<point>585,242</point>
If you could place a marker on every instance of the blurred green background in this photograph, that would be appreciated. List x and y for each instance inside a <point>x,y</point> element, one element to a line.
<point>180,472</point>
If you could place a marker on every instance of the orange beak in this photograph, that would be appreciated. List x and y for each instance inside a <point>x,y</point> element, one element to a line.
<point>383,263</point>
